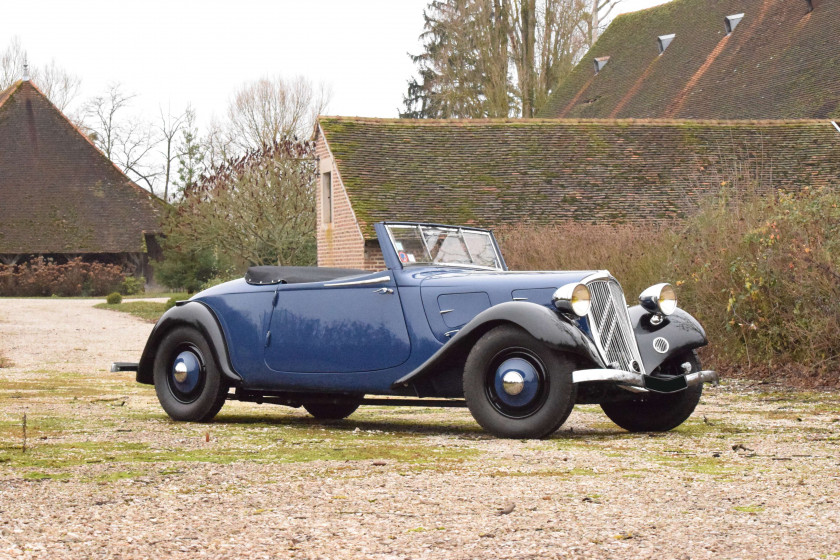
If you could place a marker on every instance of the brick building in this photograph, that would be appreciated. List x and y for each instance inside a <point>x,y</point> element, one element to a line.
<point>60,196</point>
<point>490,173</point>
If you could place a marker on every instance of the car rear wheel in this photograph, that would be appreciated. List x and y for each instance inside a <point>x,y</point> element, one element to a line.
<point>517,387</point>
<point>188,382</point>
<point>333,410</point>
<point>658,412</point>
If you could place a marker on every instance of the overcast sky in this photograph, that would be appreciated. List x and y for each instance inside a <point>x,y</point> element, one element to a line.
<point>179,51</point>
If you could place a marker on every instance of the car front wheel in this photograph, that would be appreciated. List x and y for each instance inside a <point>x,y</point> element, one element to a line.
<point>517,387</point>
<point>658,412</point>
<point>187,379</point>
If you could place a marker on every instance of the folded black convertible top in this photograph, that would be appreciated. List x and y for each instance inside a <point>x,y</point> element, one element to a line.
<point>260,275</point>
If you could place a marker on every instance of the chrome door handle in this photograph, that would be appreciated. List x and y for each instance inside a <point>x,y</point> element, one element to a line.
<point>383,291</point>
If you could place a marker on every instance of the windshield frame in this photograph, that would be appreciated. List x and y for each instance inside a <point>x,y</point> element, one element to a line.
<point>394,262</point>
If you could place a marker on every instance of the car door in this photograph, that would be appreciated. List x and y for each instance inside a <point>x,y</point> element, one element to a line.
<point>337,327</point>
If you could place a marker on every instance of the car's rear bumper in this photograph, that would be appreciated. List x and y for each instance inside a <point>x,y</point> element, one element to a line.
<point>641,382</point>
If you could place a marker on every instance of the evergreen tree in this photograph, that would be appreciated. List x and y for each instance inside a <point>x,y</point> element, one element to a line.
<point>494,58</point>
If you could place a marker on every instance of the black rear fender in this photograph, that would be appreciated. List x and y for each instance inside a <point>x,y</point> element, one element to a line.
<point>193,314</point>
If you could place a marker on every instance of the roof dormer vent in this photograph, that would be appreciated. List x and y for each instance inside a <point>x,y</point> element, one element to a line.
<point>600,62</point>
<point>731,22</point>
<point>663,41</point>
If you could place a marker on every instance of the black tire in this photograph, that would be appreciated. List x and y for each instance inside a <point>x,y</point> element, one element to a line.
<point>198,394</point>
<point>332,411</point>
<point>658,412</point>
<point>547,394</point>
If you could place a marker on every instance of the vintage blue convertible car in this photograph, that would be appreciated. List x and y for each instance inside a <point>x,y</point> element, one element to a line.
<point>446,324</point>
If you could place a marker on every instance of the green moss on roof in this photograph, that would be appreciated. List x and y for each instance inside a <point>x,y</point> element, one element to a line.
<point>491,172</point>
<point>780,62</point>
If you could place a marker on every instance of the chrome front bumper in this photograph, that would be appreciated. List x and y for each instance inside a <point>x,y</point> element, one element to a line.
<point>640,383</point>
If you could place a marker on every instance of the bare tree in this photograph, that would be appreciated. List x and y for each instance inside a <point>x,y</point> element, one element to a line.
<point>598,11</point>
<point>268,111</point>
<point>168,129</point>
<point>135,149</point>
<point>58,85</point>
<point>12,63</point>
<point>103,114</point>
<point>128,142</point>
<point>217,146</point>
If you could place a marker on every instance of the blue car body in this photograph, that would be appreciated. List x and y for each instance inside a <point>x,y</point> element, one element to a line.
<point>403,331</point>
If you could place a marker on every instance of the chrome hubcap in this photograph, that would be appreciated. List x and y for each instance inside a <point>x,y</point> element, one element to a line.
<point>180,372</point>
<point>513,382</point>
<point>516,384</point>
<point>187,374</point>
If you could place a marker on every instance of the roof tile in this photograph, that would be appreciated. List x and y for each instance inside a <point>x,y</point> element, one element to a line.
<point>58,193</point>
<point>489,172</point>
<point>780,62</point>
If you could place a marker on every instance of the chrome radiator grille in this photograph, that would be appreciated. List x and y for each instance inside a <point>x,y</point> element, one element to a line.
<point>610,325</point>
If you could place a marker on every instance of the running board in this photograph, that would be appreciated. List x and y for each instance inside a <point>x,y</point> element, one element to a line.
<point>124,366</point>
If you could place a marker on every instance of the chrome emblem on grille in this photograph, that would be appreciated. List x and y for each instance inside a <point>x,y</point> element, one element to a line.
<point>661,345</point>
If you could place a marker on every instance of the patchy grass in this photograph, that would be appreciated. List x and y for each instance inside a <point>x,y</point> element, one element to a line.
<point>147,310</point>
<point>4,361</point>
<point>749,509</point>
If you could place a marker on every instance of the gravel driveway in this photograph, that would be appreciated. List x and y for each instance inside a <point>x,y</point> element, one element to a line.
<point>754,473</point>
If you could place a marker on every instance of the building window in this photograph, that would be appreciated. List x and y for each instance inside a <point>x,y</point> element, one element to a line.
<point>327,197</point>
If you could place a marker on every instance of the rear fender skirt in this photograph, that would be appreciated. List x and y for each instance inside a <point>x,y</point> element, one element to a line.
<point>193,314</point>
<point>542,323</point>
<point>680,330</point>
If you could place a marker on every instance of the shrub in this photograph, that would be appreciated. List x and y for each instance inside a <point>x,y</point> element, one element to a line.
<point>760,272</point>
<point>185,266</point>
<point>114,298</point>
<point>632,253</point>
<point>133,285</point>
<point>170,303</point>
<point>44,277</point>
<point>773,273</point>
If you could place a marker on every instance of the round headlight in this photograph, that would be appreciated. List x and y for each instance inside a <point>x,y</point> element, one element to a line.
<point>572,298</point>
<point>660,298</point>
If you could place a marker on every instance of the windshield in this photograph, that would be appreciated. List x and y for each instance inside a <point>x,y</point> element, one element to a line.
<point>416,244</point>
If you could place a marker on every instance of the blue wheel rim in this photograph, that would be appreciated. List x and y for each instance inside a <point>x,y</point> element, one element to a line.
<point>186,373</point>
<point>528,396</point>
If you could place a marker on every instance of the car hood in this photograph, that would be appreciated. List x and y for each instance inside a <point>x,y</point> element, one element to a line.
<point>452,298</point>
<point>470,280</point>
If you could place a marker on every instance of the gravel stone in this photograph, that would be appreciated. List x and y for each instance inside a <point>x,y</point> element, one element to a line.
<point>755,473</point>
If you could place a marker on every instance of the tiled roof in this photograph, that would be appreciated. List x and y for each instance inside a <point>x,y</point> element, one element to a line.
<point>58,193</point>
<point>548,171</point>
<point>780,62</point>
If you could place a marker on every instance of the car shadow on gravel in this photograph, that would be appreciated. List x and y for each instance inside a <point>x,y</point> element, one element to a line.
<point>413,426</point>
<point>351,425</point>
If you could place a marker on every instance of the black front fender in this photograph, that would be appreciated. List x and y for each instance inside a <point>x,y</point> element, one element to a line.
<point>542,323</point>
<point>193,314</point>
<point>680,330</point>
